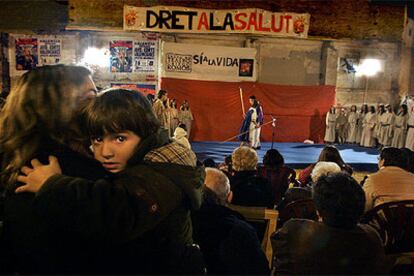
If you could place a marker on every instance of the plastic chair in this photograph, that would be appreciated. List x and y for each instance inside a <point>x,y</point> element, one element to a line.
<point>261,214</point>
<point>394,222</point>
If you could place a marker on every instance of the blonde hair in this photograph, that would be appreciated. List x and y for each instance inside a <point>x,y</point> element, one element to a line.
<point>41,105</point>
<point>244,159</point>
<point>324,168</point>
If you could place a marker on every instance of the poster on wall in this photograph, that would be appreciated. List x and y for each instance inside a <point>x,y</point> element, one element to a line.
<point>200,62</point>
<point>50,51</point>
<point>145,56</point>
<point>121,56</point>
<point>192,20</point>
<point>141,87</point>
<point>26,53</point>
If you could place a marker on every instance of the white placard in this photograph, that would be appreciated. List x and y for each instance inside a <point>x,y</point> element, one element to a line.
<point>200,62</point>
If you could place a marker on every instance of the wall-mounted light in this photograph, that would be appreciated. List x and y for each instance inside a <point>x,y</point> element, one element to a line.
<point>368,67</point>
<point>94,57</point>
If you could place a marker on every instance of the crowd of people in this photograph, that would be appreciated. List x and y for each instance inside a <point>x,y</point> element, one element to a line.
<point>103,187</point>
<point>372,127</point>
<point>170,117</point>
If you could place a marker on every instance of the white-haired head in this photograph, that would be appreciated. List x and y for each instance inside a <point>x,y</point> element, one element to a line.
<point>219,183</point>
<point>324,168</point>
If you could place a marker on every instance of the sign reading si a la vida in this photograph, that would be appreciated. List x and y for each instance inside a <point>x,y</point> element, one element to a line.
<point>188,20</point>
<point>214,63</point>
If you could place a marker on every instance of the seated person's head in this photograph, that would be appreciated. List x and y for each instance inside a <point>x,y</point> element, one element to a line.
<point>392,157</point>
<point>339,199</point>
<point>183,126</point>
<point>244,159</point>
<point>409,155</point>
<point>162,95</point>
<point>209,163</point>
<point>273,159</point>
<point>324,168</point>
<point>118,121</point>
<point>218,183</point>
<point>331,154</point>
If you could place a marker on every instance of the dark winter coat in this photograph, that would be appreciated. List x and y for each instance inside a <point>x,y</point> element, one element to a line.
<point>309,247</point>
<point>249,189</point>
<point>103,226</point>
<point>229,244</point>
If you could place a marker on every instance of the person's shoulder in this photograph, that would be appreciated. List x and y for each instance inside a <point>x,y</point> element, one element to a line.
<point>296,223</point>
<point>174,153</point>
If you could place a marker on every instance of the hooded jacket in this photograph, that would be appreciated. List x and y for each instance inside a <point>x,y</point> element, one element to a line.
<point>180,136</point>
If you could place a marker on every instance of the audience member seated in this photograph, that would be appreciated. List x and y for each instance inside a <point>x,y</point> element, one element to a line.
<point>409,155</point>
<point>180,136</point>
<point>392,182</point>
<point>321,169</point>
<point>275,171</point>
<point>227,166</point>
<point>248,188</point>
<point>329,153</point>
<point>338,244</point>
<point>229,244</point>
<point>209,163</point>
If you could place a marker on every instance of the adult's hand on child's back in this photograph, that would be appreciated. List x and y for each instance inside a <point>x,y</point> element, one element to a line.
<point>34,178</point>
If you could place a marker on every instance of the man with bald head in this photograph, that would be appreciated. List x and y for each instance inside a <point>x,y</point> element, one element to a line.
<point>228,243</point>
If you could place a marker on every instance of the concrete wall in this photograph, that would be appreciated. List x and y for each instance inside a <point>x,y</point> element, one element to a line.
<point>317,62</point>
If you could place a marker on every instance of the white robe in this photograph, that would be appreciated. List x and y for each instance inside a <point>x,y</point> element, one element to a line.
<point>254,133</point>
<point>186,117</point>
<point>352,127</point>
<point>361,117</point>
<point>400,131</point>
<point>409,142</point>
<point>367,139</point>
<point>385,130</point>
<point>330,127</point>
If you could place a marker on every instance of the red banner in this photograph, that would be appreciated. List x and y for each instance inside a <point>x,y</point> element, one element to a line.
<point>216,106</point>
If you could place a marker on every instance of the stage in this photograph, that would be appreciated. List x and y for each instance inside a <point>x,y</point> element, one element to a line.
<point>297,155</point>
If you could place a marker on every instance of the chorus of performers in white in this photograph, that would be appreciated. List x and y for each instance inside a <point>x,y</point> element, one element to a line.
<point>372,127</point>
<point>252,122</point>
<point>170,117</point>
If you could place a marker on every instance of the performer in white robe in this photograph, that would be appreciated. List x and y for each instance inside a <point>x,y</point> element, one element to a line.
<point>352,125</point>
<point>160,109</point>
<point>253,128</point>
<point>173,113</point>
<point>330,125</point>
<point>186,117</point>
<point>368,125</point>
<point>400,128</point>
<point>377,129</point>
<point>409,142</point>
<point>361,116</point>
<point>387,119</point>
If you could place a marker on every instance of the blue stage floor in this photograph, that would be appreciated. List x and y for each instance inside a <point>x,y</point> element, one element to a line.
<point>297,155</point>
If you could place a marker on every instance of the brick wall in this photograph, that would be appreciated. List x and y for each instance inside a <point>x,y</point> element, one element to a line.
<point>355,19</point>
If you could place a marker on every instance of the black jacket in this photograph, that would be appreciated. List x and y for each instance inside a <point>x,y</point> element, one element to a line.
<point>229,244</point>
<point>76,225</point>
<point>308,247</point>
<point>31,240</point>
<point>249,189</point>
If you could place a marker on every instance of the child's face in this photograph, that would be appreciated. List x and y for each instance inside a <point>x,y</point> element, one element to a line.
<point>114,150</point>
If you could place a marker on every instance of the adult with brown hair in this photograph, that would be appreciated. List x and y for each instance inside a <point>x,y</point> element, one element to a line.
<point>329,154</point>
<point>40,119</point>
